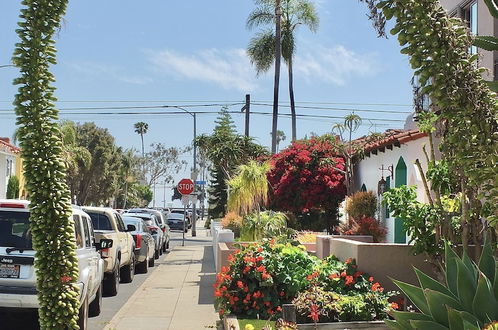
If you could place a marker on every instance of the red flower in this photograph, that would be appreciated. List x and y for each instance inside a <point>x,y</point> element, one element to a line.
<point>282,293</point>
<point>260,268</point>
<point>246,269</point>
<point>260,249</point>
<point>265,276</point>
<point>66,279</point>
<point>349,280</point>
<point>349,260</point>
<point>279,308</point>
<point>240,284</point>
<point>221,312</point>
<point>376,287</point>
<point>343,274</point>
<point>394,305</point>
<point>370,279</point>
<point>334,275</point>
<point>231,258</point>
<point>314,313</point>
<point>358,274</point>
<point>217,293</point>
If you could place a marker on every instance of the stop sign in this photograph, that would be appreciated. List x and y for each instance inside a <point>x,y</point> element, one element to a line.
<point>185,186</point>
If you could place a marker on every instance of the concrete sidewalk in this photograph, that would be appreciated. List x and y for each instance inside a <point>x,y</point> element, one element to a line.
<point>178,295</point>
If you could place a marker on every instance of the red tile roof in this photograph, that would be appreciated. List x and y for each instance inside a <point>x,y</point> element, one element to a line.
<point>5,145</point>
<point>390,137</point>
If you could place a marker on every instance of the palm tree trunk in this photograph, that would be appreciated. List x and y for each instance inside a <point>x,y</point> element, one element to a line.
<point>292,102</point>
<point>143,149</point>
<point>278,55</point>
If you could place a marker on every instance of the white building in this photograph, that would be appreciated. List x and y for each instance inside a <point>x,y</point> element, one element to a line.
<point>8,155</point>
<point>392,158</point>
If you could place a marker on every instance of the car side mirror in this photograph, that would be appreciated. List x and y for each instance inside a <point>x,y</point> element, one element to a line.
<point>131,228</point>
<point>104,243</point>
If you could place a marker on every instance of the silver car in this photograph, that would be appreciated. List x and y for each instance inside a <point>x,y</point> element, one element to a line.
<point>162,221</point>
<point>154,228</point>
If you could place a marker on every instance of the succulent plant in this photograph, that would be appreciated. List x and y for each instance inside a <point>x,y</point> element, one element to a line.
<point>467,301</point>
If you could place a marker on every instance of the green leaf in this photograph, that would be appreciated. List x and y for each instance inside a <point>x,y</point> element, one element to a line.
<point>493,85</point>
<point>455,319</point>
<point>471,266</point>
<point>470,326</point>
<point>470,318</point>
<point>438,303</point>
<point>489,43</point>
<point>395,326</point>
<point>487,262</point>
<point>495,284</point>
<point>415,294</point>
<point>451,268</point>
<point>427,325</point>
<point>466,286</point>
<point>485,304</point>
<point>404,318</point>
<point>427,282</point>
<point>493,7</point>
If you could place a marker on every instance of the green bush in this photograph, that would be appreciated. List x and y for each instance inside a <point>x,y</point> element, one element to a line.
<point>13,187</point>
<point>362,204</point>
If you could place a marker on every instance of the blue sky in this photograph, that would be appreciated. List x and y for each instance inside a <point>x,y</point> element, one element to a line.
<point>156,52</point>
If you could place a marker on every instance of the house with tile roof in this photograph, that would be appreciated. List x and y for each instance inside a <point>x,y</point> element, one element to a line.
<point>9,161</point>
<point>389,161</point>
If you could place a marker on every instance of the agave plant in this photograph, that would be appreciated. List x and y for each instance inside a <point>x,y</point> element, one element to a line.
<point>467,301</point>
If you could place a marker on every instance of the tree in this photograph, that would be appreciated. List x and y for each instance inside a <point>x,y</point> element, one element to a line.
<point>349,150</point>
<point>225,150</point>
<point>161,162</point>
<point>465,109</point>
<point>141,128</point>
<point>248,190</point>
<point>308,175</point>
<point>13,187</point>
<point>262,48</point>
<point>96,183</point>
<point>51,225</point>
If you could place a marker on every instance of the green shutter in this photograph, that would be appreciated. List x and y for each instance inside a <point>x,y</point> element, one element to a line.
<point>388,186</point>
<point>400,179</point>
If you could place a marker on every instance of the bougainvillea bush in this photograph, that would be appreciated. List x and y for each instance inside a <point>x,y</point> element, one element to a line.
<point>365,226</point>
<point>263,276</point>
<point>308,175</point>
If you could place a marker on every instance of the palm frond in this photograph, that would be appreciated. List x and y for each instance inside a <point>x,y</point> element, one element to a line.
<point>261,16</point>
<point>261,51</point>
<point>306,14</point>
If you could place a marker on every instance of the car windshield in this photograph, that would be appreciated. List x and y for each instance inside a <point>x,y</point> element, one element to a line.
<point>145,217</point>
<point>134,222</point>
<point>100,221</point>
<point>14,230</point>
<point>175,216</point>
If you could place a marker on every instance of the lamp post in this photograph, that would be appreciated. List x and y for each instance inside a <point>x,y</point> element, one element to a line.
<point>194,214</point>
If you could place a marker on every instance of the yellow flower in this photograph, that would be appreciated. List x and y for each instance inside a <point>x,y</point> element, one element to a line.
<point>249,327</point>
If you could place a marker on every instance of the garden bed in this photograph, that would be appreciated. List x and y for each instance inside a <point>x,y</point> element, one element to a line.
<point>344,325</point>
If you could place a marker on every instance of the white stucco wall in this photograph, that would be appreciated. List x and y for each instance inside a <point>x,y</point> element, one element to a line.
<point>368,171</point>
<point>4,179</point>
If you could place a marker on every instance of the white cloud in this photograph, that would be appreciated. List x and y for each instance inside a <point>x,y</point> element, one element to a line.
<point>230,69</point>
<point>336,65</point>
<point>109,72</point>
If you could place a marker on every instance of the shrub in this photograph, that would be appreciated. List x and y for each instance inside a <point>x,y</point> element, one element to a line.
<point>362,204</point>
<point>306,237</point>
<point>232,221</point>
<point>13,187</point>
<point>366,226</point>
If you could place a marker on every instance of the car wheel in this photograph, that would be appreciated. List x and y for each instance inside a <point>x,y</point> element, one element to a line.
<point>186,229</point>
<point>83,315</point>
<point>142,267</point>
<point>156,254</point>
<point>96,304</point>
<point>167,245</point>
<point>128,271</point>
<point>151,262</point>
<point>111,284</point>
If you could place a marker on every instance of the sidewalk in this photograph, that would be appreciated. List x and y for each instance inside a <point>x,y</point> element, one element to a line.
<point>178,295</point>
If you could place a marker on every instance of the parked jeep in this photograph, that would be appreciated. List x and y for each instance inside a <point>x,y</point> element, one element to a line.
<point>17,273</point>
<point>119,260</point>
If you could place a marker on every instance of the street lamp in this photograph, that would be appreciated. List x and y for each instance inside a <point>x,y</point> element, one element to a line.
<point>194,214</point>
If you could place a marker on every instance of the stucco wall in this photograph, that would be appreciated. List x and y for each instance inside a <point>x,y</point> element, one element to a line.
<point>368,171</point>
<point>3,171</point>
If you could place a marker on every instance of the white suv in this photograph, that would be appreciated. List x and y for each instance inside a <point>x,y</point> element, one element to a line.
<point>17,273</point>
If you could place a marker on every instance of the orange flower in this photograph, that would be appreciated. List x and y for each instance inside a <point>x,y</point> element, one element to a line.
<point>349,280</point>
<point>217,293</point>
<point>376,287</point>
<point>265,276</point>
<point>279,308</point>
<point>343,274</point>
<point>370,279</point>
<point>349,260</point>
<point>260,268</point>
<point>246,270</point>
<point>314,313</point>
<point>240,284</point>
<point>394,305</point>
<point>334,275</point>
<point>260,249</point>
<point>231,258</point>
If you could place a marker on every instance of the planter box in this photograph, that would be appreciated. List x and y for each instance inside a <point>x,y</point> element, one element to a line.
<point>344,326</point>
<point>310,247</point>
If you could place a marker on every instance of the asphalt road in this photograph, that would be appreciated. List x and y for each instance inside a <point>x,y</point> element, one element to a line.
<point>11,319</point>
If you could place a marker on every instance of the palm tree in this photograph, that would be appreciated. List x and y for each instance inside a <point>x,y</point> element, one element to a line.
<point>261,49</point>
<point>141,128</point>
<point>248,191</point>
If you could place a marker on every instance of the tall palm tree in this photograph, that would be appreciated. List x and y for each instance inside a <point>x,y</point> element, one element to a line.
<point>280,137</point>
<point>141,128</point>
<point>261,49</point>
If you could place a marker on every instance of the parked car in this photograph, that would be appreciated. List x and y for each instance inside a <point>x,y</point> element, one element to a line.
<point>145,246</point>
<point>163,224</point>
<point>119,260</point>
<point>17,273</point>
<point>153,226</point>
<point>176,222</point>
<point>181,211</point>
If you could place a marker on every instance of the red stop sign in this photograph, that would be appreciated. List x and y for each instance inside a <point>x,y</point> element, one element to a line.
<point>185,186</point>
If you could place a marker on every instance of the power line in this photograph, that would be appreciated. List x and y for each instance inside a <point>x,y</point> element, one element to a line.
<point>338,109</point>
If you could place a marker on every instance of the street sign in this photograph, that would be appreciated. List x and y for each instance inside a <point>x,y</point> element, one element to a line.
<point>200,183</point>
<point>185,186</point>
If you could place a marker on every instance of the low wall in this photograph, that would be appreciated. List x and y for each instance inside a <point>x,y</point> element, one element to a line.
<point>382,260</point>
<point>220,235</point>
<point>323,242</point>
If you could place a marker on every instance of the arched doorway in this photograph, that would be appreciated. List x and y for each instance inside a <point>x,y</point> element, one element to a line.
<point>400,179</point>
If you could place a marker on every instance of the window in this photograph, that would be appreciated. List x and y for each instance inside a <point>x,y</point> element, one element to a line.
<point>88,239</point>
<point>77,231</point>
<point>100,221</point>
<point>10,168</point>
<point>14,229</point>
<point>470,17</point>
<point>119,222</point>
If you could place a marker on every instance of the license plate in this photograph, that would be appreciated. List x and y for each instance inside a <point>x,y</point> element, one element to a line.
<point>9,271</point>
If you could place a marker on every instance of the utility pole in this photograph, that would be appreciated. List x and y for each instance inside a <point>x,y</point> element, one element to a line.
<point>247,109</point>
<point>194,203</point>
<point>278,56</point>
